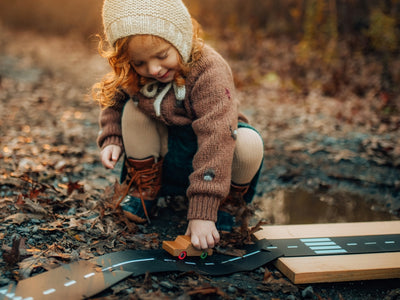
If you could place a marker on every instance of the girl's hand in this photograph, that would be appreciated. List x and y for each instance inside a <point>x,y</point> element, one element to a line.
<point>110,155</point>
<point>203,233</point>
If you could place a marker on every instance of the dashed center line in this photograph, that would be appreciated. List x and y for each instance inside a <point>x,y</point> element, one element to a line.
<point>69,283</point>
<point>127,262</point>
<point>49,291</point>
<point>88,275</point>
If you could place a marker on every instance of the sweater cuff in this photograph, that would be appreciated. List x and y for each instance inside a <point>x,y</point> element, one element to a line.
<point>112,140</point>
<point>203,208</point>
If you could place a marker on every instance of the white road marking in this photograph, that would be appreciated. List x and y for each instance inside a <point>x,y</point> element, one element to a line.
<point>330,251</point>
<point>326,247</point>
<point>370,243</point>
<point>127,262</point>
<point>232,259</point>
<point>49,291</point>
<point>69,283</point>
<point>251,253</point>
<point>311,240</point>
<point>320,244</point>
<point>89,275</point>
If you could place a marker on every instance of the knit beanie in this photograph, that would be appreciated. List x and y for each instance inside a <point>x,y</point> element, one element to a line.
<point>168,19</point>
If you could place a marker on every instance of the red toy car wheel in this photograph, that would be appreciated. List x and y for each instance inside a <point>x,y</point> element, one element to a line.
<point>182,255</point>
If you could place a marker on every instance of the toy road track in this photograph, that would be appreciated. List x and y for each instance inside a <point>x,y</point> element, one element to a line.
<point>304,253</point>
<point>86,278</point>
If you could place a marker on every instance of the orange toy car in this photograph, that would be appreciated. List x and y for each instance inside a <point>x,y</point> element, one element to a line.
<point>182,247</point>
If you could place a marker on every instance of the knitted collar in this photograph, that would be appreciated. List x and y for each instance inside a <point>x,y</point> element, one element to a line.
<point>151,90</point>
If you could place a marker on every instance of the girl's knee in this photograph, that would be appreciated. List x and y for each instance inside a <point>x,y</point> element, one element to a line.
<point>249,145</point>
<point>248,155</point>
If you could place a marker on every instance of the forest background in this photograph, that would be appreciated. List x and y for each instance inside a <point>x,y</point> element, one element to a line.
<point>328,37</point>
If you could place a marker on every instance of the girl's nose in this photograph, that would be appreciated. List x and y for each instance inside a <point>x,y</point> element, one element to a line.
<point>154,69</point>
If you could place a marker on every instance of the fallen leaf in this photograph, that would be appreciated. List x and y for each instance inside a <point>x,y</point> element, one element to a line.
<point>19,218</point>
<point>16,253</point>
<point>206,290</point>
<point>32,206</point>
<point>75,186</point>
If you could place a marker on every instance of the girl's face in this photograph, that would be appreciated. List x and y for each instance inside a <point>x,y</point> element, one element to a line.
<point>153,57</point>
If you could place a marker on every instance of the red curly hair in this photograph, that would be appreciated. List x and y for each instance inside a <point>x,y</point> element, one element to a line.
<point>123,74</point>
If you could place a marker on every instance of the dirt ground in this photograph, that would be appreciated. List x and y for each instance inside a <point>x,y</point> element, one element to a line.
<point>336,156</point>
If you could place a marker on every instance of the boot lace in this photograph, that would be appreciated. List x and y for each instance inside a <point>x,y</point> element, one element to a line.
<point>142,180</point>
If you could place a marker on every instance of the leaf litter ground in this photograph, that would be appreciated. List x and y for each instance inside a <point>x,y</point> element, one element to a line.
<point>55,196</point>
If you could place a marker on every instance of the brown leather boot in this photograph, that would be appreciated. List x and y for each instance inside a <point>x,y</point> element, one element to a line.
<point>144,183</point>
<point>233,208</point>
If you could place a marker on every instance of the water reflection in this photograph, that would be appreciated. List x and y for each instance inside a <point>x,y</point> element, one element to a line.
<point>303,207</point>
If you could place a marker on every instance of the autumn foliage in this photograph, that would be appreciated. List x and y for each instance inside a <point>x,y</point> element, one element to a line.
<point>329,40</point>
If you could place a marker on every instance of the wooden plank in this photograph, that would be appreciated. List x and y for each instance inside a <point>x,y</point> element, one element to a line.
<point>336,268</point>
<point>340,267</point>
<point>328,230</point>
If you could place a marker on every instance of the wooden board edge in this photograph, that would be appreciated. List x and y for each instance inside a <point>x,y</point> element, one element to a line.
<point>329,271</point>
<point>328,230</point>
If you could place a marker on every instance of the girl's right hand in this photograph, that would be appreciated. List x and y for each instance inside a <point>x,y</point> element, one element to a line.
<point>110,155</point>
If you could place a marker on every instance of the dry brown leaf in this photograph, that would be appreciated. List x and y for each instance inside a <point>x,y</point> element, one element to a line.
<point>32,206</point>
<point>267,276</point>
<point>278,285</point>
<point>75,186</point>
<point>344,154</point>
<point>31,263</point>
<point>56,225</point>
<point>257,227</point>
<point>16,253</point>
<point>85,254</point>
<point>74,223</point>
<point>143,294</point>
<point>19,218</point>
<point>206,290</point>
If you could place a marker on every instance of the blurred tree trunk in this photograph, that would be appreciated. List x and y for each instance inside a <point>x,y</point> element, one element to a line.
<point>320,30</point>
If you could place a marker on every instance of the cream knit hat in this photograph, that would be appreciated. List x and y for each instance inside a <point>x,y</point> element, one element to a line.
<point>168,19</point>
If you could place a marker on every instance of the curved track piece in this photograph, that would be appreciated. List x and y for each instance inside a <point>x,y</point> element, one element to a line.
<point>86,278</point>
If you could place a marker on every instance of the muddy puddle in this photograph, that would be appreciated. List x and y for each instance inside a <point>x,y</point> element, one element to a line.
<point>304,207</point>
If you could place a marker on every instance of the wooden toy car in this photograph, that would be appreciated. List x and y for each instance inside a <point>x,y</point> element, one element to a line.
<point>183,247</point>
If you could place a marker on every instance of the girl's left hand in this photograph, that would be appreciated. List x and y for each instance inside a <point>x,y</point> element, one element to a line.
<point>203,233</point>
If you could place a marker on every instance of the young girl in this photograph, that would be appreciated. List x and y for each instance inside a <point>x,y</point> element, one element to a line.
<point>169,107</point>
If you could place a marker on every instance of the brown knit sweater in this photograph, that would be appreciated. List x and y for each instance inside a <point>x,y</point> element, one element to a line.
<point>211,108</point>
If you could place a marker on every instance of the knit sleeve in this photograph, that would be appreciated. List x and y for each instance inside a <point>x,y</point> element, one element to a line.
<point>110,125</point>
<point>215,126</point>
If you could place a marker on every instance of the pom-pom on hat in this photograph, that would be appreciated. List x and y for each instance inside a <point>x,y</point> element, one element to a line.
<point>168,19</point>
